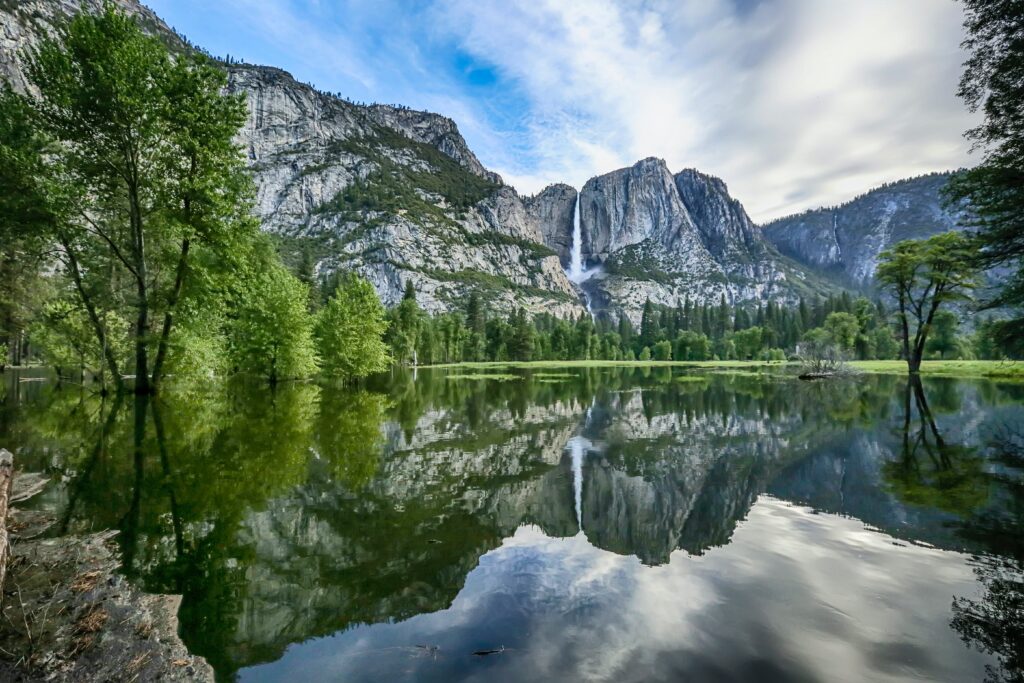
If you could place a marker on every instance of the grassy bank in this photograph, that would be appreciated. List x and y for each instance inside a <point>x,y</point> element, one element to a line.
<point>940,368</point>
<point>948,368</point>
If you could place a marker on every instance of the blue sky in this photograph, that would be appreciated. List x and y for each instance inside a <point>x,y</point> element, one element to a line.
<point>794,103</point>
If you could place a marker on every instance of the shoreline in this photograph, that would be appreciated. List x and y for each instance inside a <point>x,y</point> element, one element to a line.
<point>69,615</point>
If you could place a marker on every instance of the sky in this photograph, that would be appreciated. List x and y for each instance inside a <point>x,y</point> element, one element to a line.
<point>796,104</point>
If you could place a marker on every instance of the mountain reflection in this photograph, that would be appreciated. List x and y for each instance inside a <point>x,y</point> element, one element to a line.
<point>307,511</point>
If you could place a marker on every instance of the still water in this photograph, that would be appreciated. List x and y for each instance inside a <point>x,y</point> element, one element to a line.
<point>613,524</point>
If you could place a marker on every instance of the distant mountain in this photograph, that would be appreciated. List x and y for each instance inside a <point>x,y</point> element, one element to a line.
<point>844,242</point>
<point>669,238</point>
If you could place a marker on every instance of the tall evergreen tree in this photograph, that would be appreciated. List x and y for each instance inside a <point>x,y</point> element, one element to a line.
<point>993,82</point>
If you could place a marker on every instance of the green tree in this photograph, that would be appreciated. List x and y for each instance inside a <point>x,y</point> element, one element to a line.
<point>943,339</point>
<point>662,350</point>
<point>272,334</point>
<point>844,329</point>
<point>405,325</point>
<point>143,155</point>
<point>349,331</point>
<point>885,345</point>
<point>993,82</point>
<point>748,342</point>
<point>923,275</point>
<point>521,338</point>
<point>648,325</point>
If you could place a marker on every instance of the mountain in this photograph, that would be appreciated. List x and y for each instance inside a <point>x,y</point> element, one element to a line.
<point>668,238</point>
<point>398,195</point>
<point>393,193</point>
<point>844,242</point>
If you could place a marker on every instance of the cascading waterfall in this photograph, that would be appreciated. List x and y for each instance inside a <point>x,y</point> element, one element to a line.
<point>576,272</point>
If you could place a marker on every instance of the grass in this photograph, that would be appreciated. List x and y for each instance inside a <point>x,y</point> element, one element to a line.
<point>1002,369</point>
<point>539,364</point>
<point>935,368</point>
<point>500,377</point>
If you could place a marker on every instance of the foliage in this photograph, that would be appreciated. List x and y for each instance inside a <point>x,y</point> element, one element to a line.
<point>923,275</point>
<point>819,353</point>
<point>404,327</point>
<point>138,168</point>
<point>993,82</point>
<point>272,333</point>
<point>349,331</point>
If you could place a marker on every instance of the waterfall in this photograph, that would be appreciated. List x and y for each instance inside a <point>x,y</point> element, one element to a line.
<point>577,273</point>
<point>577,447</point>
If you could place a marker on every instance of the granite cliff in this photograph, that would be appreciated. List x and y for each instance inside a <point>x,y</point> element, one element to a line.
<point>844,242</point>
<point>393,193</point>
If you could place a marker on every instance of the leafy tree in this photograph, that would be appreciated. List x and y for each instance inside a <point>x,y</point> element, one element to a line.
<point>405,325</point>
<point>748,342</point>
<point>272,335</point>
<point>986,346</point>
<point>662,351</point>
<point>349,331</point>
<point>993,82</point>
<point>645,353</point>
<point>885,345</point>
<point>923,275</point>
<point>943,339</point>
<point>144,168</point>
<point>843,329</point>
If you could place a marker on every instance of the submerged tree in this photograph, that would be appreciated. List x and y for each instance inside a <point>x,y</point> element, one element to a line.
<point>141,168</point>
<point>993,82</point>
<point>349,331</point>
<point>272,334</point>
<point>923,275</point>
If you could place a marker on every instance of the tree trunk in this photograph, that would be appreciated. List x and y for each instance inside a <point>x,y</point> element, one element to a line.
<point>914,362</point>
<point>94,319</point>
<point>142,383</point>
<point>165,334</point>
<point>6,482</point>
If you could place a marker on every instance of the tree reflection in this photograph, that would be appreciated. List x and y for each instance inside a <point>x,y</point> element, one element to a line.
<point>931,471</point>
<point>986,493</point>
<point>994,623</point>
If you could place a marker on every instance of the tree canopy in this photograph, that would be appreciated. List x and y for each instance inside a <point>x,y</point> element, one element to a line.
<point>923,275</point>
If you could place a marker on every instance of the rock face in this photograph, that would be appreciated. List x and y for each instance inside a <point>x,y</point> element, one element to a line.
<point>395,194</point>
<point>845,241</point>
<point>670,238</point>
<point>554,209</point>
<point>392,193</point>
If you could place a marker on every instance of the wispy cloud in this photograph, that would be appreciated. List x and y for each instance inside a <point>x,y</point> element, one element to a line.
<point>795,103</point>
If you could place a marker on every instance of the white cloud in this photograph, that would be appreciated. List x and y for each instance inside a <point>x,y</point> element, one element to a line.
<point>796,103</point>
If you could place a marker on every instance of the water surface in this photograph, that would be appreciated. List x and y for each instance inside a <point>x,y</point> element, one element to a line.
<point>577,524</point>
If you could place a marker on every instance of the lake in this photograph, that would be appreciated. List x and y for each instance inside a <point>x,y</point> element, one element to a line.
<point>594,524</point>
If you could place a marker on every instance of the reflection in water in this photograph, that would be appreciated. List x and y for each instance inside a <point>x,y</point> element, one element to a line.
<point>577,448</point>
<point>323,532</point>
